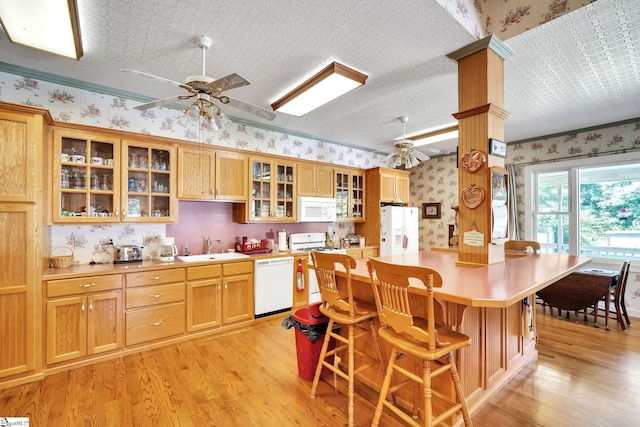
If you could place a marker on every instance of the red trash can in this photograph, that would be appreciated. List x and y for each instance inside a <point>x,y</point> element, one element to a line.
<point>308,351</point>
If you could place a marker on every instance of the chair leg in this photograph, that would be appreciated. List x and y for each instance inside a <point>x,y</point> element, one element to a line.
<point>351,368</point>
<point>426,390</point>
<point>385,388</point>
<point>459,393</point>
<point>323,352</point>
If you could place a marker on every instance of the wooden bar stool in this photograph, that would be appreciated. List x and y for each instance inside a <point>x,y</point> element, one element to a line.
<point>343,311</point>
<point>427,340</point>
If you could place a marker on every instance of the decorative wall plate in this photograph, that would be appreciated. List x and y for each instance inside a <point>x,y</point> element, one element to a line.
<point>472,197</point>
<point>473,160</point>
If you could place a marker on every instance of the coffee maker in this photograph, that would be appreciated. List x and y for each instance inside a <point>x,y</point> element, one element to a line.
<point>167,251</point>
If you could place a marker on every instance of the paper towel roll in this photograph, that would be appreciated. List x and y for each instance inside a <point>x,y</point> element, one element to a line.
<point>282,240</point>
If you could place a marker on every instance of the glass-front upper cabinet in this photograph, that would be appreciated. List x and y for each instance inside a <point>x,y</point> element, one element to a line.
<point>148,182</point>
<point>272,190</point>
<point>85,186</point>
<point>349,195</point>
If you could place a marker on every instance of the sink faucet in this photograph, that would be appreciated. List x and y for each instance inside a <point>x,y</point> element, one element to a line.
<point>209,243</point>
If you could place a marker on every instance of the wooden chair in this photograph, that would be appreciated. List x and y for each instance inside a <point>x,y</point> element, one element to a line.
<point>617,307</point>
<point>426,340</point>
<point>521,246</point>
<point>344,312</point>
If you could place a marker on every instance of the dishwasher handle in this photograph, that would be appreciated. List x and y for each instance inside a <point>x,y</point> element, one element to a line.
<point>273,261</point>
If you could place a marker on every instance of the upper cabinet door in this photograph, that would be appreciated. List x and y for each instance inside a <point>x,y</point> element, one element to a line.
<point>315,181</point>
<point>196,173</point>
<point>149,182</point>
<point>231,176</point>
<point>86,178</point>
<point>20,156</point>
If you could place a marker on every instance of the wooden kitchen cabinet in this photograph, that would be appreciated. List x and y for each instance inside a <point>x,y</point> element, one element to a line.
<point>84,317</point>
<point>363,253</point>
<point>315,180</point>
<point>237,292</point>
<point>207,174</point>
<point>155,305</point>
<point>86,177</point>
<point>394,186</point>
<point>272,189</point>
<point>22,133</point>
<point>204,297</point>
<point>350,195</point>
<point>148,182</point>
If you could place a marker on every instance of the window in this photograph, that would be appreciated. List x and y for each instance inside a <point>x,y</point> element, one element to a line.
<point>587,207</point>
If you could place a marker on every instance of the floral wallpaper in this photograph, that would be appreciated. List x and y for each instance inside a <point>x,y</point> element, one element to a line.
<point>507,18</point>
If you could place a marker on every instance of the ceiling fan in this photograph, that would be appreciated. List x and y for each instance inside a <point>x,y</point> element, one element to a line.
<point>405,154</point>
<point>204,90</point>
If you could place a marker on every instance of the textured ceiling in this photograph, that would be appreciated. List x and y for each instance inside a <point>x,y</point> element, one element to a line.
<point>577,71</point>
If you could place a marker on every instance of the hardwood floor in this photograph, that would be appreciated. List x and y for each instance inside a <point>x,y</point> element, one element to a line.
<point>583,377</point>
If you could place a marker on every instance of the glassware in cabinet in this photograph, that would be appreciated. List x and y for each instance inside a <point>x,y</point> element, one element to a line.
<point>83,187</point>
<point>149,181</point>
<point>271,191</point>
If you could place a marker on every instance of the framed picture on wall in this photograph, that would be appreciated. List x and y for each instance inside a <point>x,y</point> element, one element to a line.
<point>431,211</point>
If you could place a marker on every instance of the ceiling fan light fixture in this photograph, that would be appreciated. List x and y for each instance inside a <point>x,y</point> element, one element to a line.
<point>49,25</point>
<point>330,83</point>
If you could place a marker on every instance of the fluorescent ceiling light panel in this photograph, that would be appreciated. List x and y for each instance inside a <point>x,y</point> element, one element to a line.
<point>435,136</point>
<point>49,25</point>
<point>333,81</point>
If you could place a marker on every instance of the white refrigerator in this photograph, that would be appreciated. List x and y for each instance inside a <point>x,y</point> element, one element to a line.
<point>398,230</point>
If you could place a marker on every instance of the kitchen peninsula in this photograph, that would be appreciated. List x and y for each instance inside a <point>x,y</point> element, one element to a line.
<point>485,303</point>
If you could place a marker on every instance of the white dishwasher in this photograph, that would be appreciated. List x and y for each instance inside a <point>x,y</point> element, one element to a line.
<point>273,285</point>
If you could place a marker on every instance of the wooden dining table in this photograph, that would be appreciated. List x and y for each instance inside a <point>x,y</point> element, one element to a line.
<point>582,290</point>
<point>484,302</point>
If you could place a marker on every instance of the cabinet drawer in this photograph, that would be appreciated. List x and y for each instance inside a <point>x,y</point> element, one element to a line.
<point>57,288</point>
<point>153,323</point>
<point>154,295</point>
<point>238,268</point>
<point>156,277</point>
<point>204,272</point>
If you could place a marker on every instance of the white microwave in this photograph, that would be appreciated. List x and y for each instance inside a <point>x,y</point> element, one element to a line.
<point>316,209</point>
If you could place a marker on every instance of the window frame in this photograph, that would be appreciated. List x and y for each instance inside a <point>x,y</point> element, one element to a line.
<point>573,166</point>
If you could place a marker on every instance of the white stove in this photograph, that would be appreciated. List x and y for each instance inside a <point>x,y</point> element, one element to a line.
<point>307,242</point>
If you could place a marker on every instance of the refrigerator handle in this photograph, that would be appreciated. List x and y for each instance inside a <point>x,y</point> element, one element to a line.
<point>405,238</point>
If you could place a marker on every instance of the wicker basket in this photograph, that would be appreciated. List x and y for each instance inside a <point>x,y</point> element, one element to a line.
<point>61,261</point>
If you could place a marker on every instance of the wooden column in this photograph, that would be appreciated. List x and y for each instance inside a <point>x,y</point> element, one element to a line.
<point>481,117</point>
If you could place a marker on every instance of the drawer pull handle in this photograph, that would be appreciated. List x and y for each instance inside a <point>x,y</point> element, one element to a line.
<point>87,285</point>
<point>157,296</point>
<point>157,277</point>
<point>156,323</point>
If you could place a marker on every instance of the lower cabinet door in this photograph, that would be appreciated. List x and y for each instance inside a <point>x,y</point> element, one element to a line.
<point>66,329</point>
<point>204,304</point>
<point>105,325</point>
<point>148,324</point>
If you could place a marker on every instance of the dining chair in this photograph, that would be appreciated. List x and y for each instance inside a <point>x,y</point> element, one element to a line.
<point>427,340</point>
<point>615,299</point>
<point>345,311</point>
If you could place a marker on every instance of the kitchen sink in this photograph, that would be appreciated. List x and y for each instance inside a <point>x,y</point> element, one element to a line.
<point>212,257</point>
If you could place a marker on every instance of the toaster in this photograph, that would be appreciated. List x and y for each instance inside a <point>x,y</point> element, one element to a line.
<point>127,253</point>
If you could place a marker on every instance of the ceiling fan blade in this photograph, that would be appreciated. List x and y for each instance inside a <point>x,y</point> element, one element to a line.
<point>161,102</point>
<point>151,76</point>
<point>420,156</point>
<point>253,109</point>
<point>231,81</point>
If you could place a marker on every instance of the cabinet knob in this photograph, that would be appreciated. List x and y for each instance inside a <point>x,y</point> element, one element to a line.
<point>87,285</point>
<point>157,277</point>
<point>157,296</point>
<point>155,324</point>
